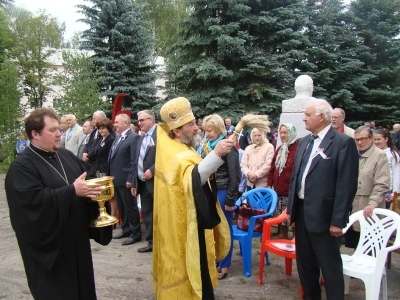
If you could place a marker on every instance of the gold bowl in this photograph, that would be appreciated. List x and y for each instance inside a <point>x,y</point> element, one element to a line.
<point>106,194</point>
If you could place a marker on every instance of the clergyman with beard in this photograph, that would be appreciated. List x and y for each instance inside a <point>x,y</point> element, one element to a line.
<point>187,216</point>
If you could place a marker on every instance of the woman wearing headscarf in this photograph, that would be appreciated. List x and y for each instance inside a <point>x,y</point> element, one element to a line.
<point>257,159</point>
<point>281,170</point>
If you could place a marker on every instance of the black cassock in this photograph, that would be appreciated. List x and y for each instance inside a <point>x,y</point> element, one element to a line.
<point>52,224</point>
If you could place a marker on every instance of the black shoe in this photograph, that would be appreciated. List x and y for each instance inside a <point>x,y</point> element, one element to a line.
<point>121,235</point>
<point>148,248</point>
<point>130,241</point>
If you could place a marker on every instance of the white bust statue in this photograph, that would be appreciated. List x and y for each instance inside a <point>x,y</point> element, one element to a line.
<point>304,89</point>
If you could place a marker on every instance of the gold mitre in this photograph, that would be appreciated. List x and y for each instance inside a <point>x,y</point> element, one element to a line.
<point>177,112</point>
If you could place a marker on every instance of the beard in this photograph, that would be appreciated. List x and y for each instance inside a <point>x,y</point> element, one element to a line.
<point>192,141</point>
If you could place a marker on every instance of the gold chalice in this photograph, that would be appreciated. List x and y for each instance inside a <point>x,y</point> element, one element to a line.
<point>106,194</point>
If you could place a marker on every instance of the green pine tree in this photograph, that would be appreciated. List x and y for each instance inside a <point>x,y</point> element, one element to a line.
<point>122,47</point>
<point>335,58</point>
<point>378,24</point>
<point>237,56</point>
<point>277,26</point>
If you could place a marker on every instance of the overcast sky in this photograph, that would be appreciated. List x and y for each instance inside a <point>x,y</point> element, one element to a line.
<point>63,10</point>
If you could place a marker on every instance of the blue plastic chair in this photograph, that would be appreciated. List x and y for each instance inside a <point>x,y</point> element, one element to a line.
<point>264,198</point>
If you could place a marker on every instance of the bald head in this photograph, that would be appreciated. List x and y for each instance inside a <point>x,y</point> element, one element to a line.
<point>122,122</point>
<point>70,120</point>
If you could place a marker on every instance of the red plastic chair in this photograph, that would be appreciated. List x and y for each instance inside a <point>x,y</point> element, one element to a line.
<point>267,245</point>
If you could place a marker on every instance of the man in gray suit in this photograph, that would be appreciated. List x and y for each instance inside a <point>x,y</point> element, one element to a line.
<point>122,162</point>
<point>87,129</point>
<point>322,189</point>
<point>64,128</point>
<point>143,175</point>
<point>74,135</point>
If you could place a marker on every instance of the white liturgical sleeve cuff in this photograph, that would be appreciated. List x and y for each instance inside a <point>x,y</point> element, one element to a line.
<point>209,165</point>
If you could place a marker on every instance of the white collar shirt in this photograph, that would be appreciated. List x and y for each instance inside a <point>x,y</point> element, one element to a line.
<point>314,153</point>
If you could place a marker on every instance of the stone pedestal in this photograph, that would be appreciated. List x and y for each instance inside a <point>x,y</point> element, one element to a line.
<point>297,120</point>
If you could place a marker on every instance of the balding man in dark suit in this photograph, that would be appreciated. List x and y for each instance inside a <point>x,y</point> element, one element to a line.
<point>323,186</point>
<point>122,160</point>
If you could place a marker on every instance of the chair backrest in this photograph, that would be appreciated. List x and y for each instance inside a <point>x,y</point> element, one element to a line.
<point>376,230</point>
<point>263,198</point>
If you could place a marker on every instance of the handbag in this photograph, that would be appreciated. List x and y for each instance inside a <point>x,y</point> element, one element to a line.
<point>244,215</point>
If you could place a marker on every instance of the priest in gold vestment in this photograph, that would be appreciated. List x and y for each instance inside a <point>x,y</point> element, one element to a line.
<point>190,231</point>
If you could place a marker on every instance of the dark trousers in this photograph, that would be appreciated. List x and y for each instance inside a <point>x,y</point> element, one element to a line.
<point>315,252</point>
<point>147,204</point>
<point>128,210</point>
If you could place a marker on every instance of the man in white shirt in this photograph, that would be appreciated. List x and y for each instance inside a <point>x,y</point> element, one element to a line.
<point>322,189</point>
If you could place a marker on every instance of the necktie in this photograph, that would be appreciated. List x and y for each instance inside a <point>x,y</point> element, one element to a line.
<point>146,142</point>
<point>85,140</point>
<point>69,133</point>
<point>304,161</point>
<point>115,144</point>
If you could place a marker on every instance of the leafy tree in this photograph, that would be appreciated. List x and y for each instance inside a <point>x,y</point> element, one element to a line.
<point>35,39</point>
<point>5,2</point>
<point>122,47</point>
<point>335,58</point>
<point>9,108</point>
<point>5,36</point>
<point>378,24</point>
<point>164,17</point>
<point>79,86</point>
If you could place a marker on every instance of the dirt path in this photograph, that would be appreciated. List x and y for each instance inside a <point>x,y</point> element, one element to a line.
<point>122,273</point>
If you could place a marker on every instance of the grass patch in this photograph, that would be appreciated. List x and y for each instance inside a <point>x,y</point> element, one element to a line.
<point>242,281</point>
<point>139,279</point>
<point>96,249</point>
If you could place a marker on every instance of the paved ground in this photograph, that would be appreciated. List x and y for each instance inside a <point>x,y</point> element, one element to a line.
<point>122,273</point>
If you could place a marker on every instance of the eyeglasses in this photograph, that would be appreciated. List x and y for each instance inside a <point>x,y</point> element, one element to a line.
<point>361,139</point>
<point>142,120</point>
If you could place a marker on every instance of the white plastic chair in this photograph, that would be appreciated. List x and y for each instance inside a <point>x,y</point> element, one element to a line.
<point>368,261</point>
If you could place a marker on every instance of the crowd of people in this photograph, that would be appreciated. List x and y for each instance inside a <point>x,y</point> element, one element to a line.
<point>320,179</point>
